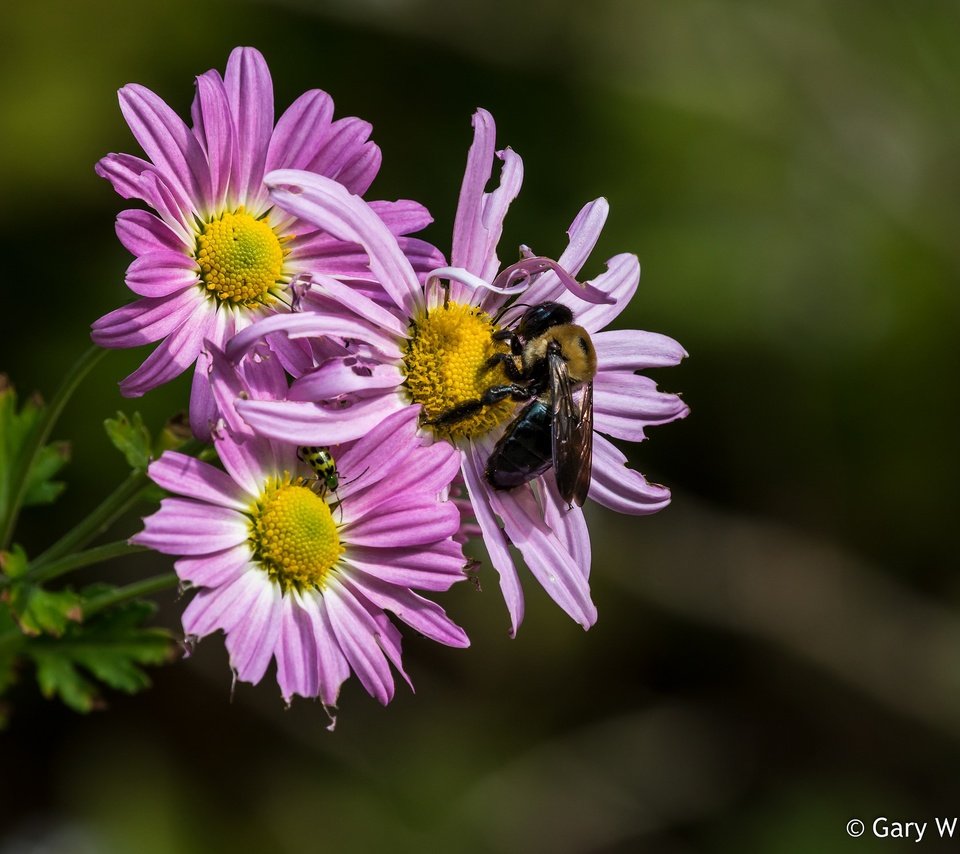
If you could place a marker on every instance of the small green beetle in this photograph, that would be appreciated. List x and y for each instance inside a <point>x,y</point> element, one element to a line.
<point>324,466</point>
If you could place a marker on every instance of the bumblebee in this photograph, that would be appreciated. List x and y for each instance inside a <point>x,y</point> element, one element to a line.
<point>324,467</point>
<point>550,358</point>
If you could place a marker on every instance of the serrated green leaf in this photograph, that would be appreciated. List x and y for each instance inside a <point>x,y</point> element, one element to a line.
<point>39,611</point>
<point>15,428</point>
<point>40,488</point>
<point>13,563</point>
<point>112,647</point>
<point>131,437</point>
<point>57,676</point>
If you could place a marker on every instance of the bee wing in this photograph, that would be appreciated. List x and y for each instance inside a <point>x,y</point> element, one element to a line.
<point>572,434</point>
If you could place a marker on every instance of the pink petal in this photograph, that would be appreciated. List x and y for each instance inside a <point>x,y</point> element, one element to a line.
<point>123,171</point>
<point>161,273</point>
<point>564,581</point>
<point>185,527</point>
<point>407,520</point>
<point>309,424</point>
<point>250,94</point>
<point>300,132</point>
<point>364,307</point>
<point>387,445</point>
<point>567,524</point>
<point>329,206</point>
<point>388,635</point>
<point>583,234</point>
<point>333,667</point>
<point>145,320</point>
<point>435,567</point>
<point>249,462</point>
<point>357,173</point>
<point>213,127</point>
<point>622,489</point>
<point>338,378</point>
<point>470,244</point>
<point>217,569</point>
<point>493,537</point>
<point>633,350</point>
<point>495,206</point>
<point>223,607</point>
<point>346,155</point>
<point>624,404</point>
<point>298,669</point>
<point>619,281</point>
<point>177,352</point>
<point>420,614</point>
<point>203,409</point>
<point>312,324</point>
<point>169,143</point>
<point>428,471</point>
<point>185,475</point>
<point>356,632</point>
<point>141,232</point>
<point>174,212</point>
<point>402,216</point>
<point>251,641</point>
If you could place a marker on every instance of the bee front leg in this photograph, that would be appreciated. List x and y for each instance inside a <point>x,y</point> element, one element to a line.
<point>492,395</point>
<point>516,345</point>
<point>509,363</point>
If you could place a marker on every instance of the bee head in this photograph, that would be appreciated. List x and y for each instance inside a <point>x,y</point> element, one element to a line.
<point>539,318</point>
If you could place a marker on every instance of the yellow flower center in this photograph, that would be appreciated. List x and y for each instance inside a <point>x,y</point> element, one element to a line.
<point>448,363</point>
<point>240,258</point>
<point>293,535</point>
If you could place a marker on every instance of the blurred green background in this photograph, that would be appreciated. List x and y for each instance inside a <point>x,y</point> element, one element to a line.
<point>779,651</point>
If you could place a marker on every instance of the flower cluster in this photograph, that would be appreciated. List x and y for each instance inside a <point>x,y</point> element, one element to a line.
<point>372,405</point>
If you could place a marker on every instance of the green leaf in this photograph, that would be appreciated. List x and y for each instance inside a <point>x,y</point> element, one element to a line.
<point>131,437</point>
<point>15,427</point>
<point>57,676</point>
<point>39,611</point>
<point>40,488</point>
<point>13,563</point>
<point>110,648</point>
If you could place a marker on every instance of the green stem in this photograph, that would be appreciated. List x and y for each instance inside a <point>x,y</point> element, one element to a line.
<point>113,506</point>
<point>20,473</point>
<point>137,590</point>
<point>56,568</point>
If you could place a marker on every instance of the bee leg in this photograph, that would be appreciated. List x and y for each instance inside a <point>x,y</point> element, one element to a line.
<point>496,393</point>
<point>516,345</point>
<point>492,395</point>
<point>509,364</point>
<point>457,413</point>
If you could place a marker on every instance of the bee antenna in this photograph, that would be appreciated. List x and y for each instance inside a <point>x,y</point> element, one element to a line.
<point>506,308</point>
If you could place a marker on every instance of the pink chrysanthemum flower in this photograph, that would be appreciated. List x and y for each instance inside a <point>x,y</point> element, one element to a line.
<point>218,254</point>
<point>292,571</point>
<point>433,353</point>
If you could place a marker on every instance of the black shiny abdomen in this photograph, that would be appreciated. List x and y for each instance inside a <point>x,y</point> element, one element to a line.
<point>525,450</point>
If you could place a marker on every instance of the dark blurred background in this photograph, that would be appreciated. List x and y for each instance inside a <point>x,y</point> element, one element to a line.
<point>779,651</point>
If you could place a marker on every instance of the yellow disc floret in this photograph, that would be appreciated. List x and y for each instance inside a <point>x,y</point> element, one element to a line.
<point>448,363</point>
<point>293,534</point>
<point>240,258</point>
